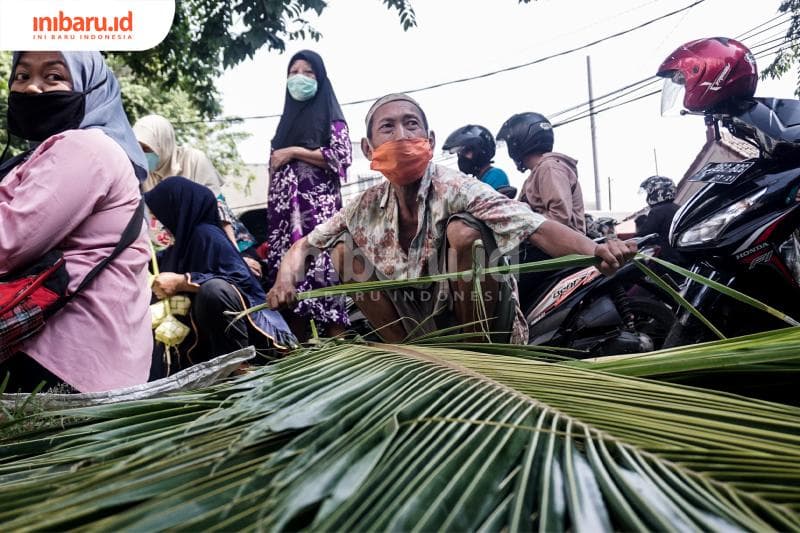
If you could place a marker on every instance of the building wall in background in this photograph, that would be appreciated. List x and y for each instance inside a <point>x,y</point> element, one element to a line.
<point>359,178</point>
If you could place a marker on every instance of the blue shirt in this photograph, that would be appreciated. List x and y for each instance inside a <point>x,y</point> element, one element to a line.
<point>495,178</point>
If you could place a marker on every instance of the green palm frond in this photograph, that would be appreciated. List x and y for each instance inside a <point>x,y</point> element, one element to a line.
<point>675,295</point>
<point>724,289</point>
<point>567,261</point>
<point>344,437</point>
<point>778,350</point>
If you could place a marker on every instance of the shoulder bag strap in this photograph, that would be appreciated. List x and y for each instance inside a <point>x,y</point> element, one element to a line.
<point>129,235</point>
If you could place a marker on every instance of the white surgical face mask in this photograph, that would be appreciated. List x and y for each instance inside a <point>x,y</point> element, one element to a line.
<point>301,87</point>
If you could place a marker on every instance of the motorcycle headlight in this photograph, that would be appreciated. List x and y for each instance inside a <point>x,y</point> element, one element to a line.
<point>711,227</point>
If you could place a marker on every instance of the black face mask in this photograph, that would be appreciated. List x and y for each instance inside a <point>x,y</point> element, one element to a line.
<point>35,117</point>
<point>467,166</point>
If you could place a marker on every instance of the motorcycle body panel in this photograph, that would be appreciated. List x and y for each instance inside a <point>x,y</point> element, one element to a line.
<point>747,252</point>
<point>581,310</point>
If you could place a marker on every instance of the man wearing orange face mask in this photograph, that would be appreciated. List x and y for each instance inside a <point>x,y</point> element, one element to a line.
<point>424,220</point>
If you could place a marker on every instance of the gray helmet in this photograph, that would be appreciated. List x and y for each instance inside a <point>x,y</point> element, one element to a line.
<point>526,133</point>
<point>659,189</point>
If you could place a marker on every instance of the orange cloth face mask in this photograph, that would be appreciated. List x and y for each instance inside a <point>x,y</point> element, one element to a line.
<point>404,161</point>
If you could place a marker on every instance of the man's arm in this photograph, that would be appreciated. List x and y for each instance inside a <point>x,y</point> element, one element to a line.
<point>291,272</point>
<point>557,239</point>
<point>293,263</point>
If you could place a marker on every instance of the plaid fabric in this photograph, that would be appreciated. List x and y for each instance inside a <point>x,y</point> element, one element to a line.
<point>26,298</point>
<point>22,322</point>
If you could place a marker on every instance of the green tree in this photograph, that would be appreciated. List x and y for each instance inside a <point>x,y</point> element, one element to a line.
<point>787,56</point>
<point>16,145</point>
<point>142,96</point>
<point>177,78</point>
<point>208,36</point>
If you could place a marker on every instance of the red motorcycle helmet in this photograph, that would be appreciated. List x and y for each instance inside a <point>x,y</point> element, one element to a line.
<point>707,72</point>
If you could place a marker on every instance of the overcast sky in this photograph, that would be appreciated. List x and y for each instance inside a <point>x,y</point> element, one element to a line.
<point>367,54</point>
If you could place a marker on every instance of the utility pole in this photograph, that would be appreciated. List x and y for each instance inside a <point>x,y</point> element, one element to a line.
<point>597,200</point>
<point>655,159</point>
<point>609,194</point>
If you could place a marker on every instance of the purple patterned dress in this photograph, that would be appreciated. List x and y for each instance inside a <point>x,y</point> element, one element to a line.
<point>300,197</point>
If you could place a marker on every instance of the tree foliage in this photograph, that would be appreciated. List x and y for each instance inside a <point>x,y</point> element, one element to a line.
<point>16,145</point>
<point>208,36</point>
<point>787,56</point>
<point>142,96</point>
<point>177,79</point>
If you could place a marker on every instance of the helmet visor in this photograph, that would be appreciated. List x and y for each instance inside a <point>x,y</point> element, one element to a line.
<point>453,149</point>
<point>672,94</point>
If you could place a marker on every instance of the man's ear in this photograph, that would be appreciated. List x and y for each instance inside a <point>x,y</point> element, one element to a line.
<point>432,139</point>
<point>366,149</point>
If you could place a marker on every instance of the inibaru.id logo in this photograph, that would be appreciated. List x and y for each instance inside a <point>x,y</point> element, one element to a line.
<point>84,24</point>
<point>62,22</point>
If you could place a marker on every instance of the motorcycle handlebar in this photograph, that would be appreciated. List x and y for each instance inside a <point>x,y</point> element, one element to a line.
<point>640,241</point>
<point>645,239</point>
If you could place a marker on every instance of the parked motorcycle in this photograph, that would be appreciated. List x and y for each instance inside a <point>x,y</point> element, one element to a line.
<point>577,308</point>
<point>583,310</point>
<point>739,228</point>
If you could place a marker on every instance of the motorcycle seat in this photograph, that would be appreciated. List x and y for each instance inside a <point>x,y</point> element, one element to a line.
<point>777,117</point>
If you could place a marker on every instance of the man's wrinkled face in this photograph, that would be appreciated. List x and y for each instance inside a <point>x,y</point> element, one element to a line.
<point>395,121</point>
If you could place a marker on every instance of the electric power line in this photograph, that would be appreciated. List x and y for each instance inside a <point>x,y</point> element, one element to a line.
<point>598,111</point>
<point>654,80</point>
<point>649,79</point>
<point>575,118</point>
<point>765,30</point>
<point>603,106</point>
<point>780,34</point>
<point>747,35</point>
<point>485,74</point>
<point>775,49</point>
<point>766,44</point>
<point>600,101</point>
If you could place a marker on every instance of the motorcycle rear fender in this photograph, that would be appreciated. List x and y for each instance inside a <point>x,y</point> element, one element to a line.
<point>601,314</point>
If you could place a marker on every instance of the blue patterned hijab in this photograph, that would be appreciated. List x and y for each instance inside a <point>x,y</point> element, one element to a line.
<point>103,104</point>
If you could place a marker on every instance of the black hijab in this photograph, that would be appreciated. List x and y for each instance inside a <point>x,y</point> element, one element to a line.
<point>308,124</point>
<point>181,206</point>
<point>189,211</point>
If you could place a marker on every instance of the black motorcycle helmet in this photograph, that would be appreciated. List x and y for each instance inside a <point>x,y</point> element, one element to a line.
<point>659,189</point>
<point>526,133</point>
<point>476,139</point>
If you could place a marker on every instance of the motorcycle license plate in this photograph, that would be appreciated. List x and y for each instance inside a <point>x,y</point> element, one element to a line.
<point>725,173</point>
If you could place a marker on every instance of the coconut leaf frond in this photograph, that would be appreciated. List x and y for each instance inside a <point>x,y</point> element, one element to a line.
<point>567,261</point>
<point>675,295</point>
<point>344,437</point>
<point>723,289</point>
<point>778,350</point>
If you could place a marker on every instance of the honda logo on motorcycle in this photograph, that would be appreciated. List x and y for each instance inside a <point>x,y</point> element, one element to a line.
<point>751,251</point>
